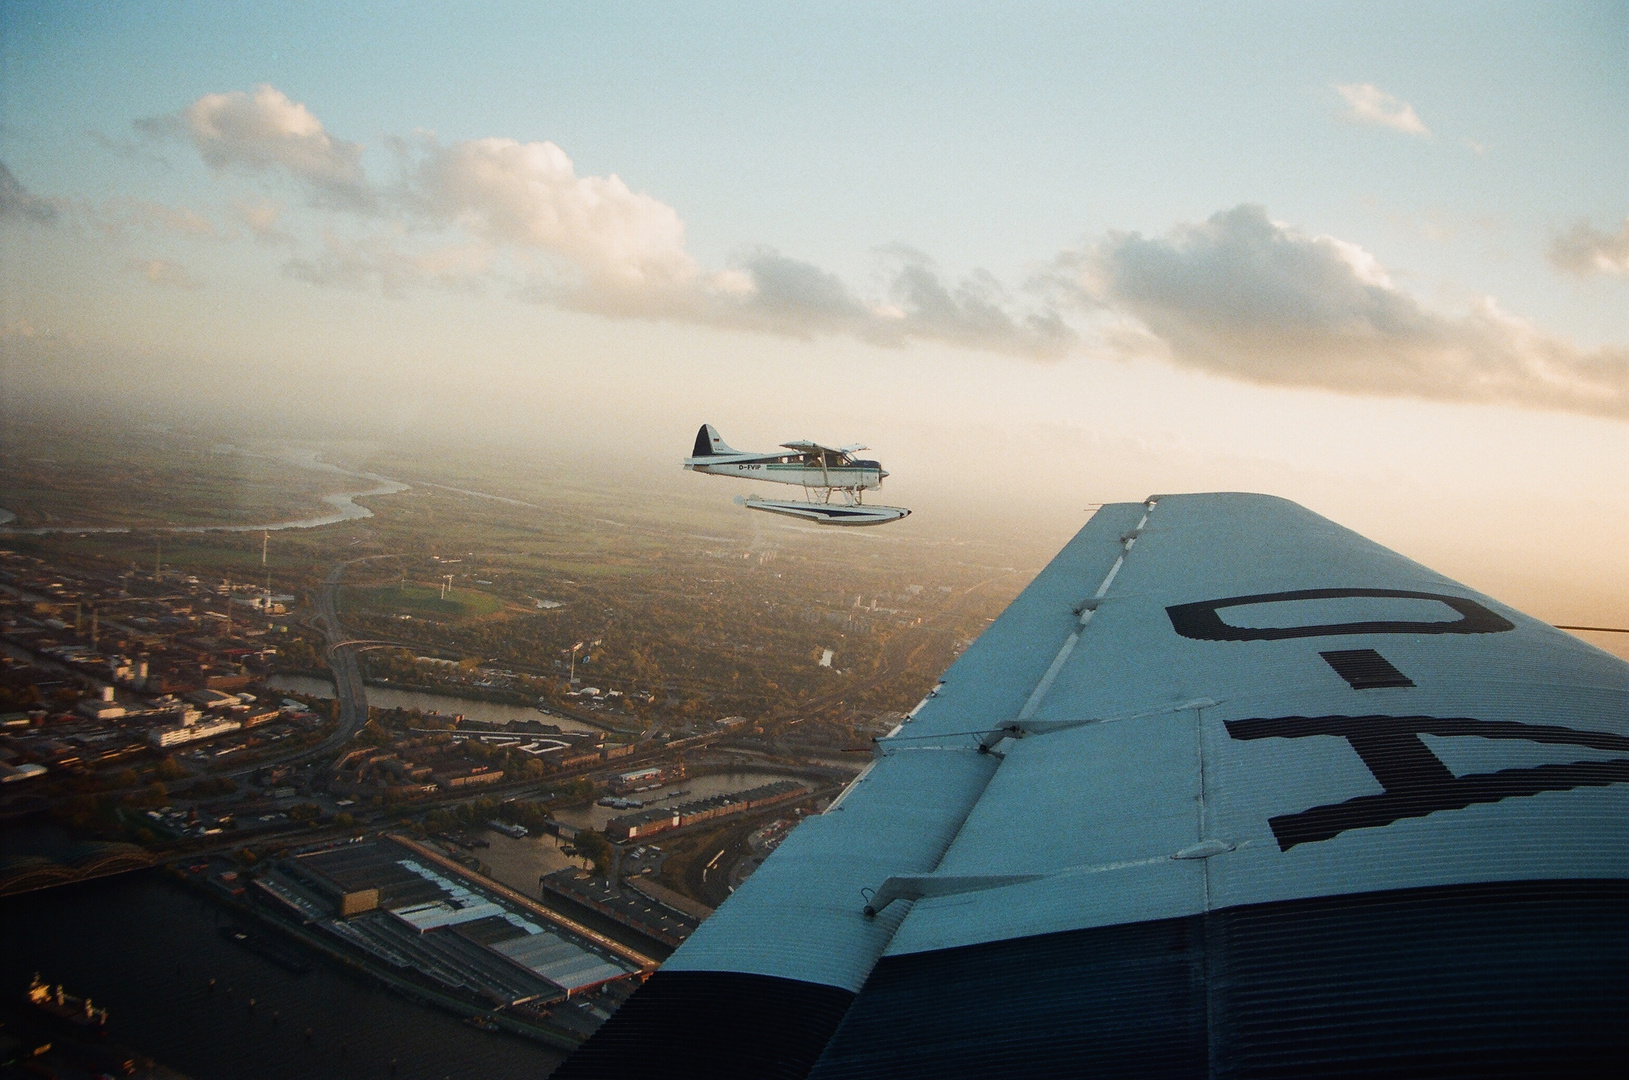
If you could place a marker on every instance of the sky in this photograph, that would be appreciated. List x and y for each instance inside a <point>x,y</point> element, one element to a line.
<point>1371,257</point>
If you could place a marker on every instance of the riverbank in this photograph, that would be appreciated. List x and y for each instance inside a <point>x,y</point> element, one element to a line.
<point>146,947</point>
<point>346,508</point>
<point>325,949</point>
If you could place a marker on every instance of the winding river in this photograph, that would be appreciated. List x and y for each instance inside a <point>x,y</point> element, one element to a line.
<point>346,508</point>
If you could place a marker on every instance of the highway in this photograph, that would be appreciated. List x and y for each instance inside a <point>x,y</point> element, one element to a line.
<point>349,689</point>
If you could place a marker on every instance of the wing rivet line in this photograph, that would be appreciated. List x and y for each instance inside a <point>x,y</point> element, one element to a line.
<point>1085,610</point>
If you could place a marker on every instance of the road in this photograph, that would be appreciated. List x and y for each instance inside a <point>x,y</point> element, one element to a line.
<point>349,690</point>
<point>707,875</point>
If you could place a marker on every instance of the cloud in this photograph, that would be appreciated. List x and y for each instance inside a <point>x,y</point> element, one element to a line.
<point>977,313</point>
<point>793,297</point>
<point>266,132</point>
<point>1368,104</point>
<point>769,292</point>
<point>588,243</point>
<point>261,217</point>
<point>115,217</point>
<point>1249,298</point>
<point>17,202</point>
<point>1584,250</point>
<point>1238,295</point>
<point>128,149</point>
<point>380,262</point>
<point>162,272</point>
<point>529,195</point>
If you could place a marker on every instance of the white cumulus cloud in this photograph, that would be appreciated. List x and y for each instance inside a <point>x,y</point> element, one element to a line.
<point>1584,250</point>
<point>590,243</point>
<point>1238,295</point>
<point>1366,103</point>
<point>1246,297</point>
<point>529,194</point>
<point>266,131</point>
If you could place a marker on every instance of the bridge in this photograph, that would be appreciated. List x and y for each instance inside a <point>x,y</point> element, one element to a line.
<point>364,644</point>
<point>82,862</point>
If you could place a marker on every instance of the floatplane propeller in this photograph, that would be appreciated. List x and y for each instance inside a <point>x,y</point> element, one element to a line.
<point>820,470</point>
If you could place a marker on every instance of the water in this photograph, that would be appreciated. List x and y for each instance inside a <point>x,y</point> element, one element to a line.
<point>344,504</point>
<point>699,787</point>
<point>345,509</point>
<point>384,697</point>
<point>145,947</point>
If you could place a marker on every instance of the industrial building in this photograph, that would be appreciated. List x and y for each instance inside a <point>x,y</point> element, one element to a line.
<point>653,776</point>
<point>647,822</point>
<point>628,904</point>
<point>473,776</point>
<point>423,917</point>
<point>187,732</point>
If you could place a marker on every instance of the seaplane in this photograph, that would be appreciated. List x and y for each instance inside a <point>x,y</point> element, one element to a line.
<point>822,471</point>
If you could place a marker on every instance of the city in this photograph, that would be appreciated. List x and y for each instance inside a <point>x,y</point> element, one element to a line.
<point>306,731</point>
<point>825,541</point>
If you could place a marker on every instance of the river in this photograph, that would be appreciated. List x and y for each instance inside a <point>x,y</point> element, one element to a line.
<point>697,787</point>
<point>346,508</point>
<point>386,697</point>
<point>145,947</point>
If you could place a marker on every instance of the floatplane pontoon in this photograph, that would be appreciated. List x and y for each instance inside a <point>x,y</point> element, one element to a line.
<point>820,470</point>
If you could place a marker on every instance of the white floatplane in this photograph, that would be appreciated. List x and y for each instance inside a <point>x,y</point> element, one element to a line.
<point>820,470</point>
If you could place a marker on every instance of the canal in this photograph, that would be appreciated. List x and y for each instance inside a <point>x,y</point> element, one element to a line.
<point>386,697</point>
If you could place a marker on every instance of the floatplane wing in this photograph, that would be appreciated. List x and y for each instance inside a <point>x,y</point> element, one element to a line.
<point>820,470</point>
<point>1227,791</point>
<point>821,448</point>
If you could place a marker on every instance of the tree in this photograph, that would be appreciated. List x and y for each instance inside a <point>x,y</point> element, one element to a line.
<point>169,769</point>
<point>595,847</point>
<point>298,654</point>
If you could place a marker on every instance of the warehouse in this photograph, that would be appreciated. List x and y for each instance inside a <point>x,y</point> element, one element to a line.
<point>402,908</point>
